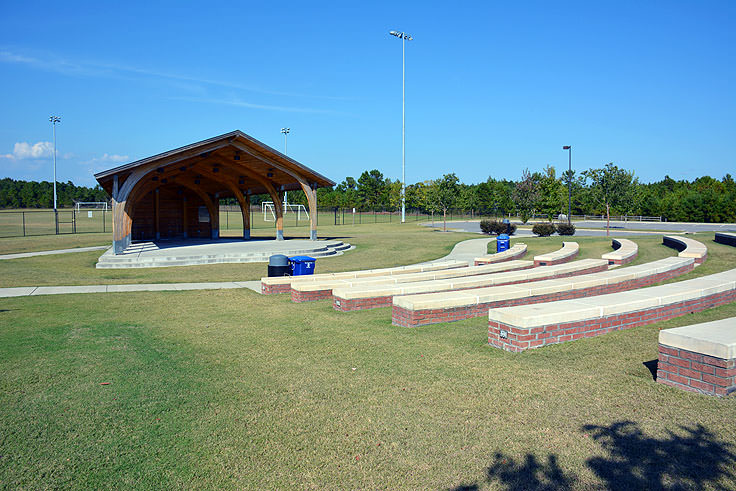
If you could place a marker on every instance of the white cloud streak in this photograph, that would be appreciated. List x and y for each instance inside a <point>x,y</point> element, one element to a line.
<point>24,151</point>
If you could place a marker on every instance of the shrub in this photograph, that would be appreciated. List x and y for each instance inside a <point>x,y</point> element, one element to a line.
<point>565,228</point>
<point>543,229</point>
<point>495,227</point>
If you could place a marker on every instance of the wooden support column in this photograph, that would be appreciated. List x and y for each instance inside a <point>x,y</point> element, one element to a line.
<point>156,214</point>
<point>279,207</point>
<point>121,222</point>
<point>245,210</point>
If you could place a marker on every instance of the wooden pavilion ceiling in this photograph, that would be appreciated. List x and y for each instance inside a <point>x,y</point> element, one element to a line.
<point>234,157</point>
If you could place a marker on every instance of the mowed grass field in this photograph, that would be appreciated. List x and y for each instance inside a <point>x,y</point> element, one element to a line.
<point>231,389</point>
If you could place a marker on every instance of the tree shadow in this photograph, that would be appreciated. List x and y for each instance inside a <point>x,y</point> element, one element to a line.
<point>527,473</point>
<point>688,459</point>
<point>652,367</point>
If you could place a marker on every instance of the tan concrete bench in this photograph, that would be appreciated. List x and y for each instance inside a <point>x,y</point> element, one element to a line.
<point>515,252</point>
<point>568,252</point>
<point>302,291</point>
<point>417,310</point>
<point>531,326</point>
<point>699,358</point>
<point>727,238</point>
<point>626,251</point>
<point>688,247</point>
<point>282,284</point>
<point>348,299</point>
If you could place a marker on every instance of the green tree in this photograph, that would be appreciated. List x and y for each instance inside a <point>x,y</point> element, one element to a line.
<point>526,195</point>
<point>371,189</point>
<point>443,194</point>
<point>610,186</point>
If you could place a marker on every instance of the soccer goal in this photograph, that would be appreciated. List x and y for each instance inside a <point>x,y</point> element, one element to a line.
<point>269,212</point>
<point>90,207</point>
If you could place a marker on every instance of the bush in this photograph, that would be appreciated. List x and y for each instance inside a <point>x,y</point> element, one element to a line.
<point>543,229</point>
<point>565,229</point>
<point>495,227</point>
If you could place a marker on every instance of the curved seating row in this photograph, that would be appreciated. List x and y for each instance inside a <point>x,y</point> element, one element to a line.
<point>699,358</point>
<point>319,289</point>
<point>568,252</point>
<point>625,251</point>
<point>349,299</point>
<point>688,247</point>
<point>417,310</point>
<point>282,284</point>
<point>530,326</point>
<point>728,238</point>
<point>515,252</point>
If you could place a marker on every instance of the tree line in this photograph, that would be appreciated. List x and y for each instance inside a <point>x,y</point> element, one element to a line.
<point>595,191</point>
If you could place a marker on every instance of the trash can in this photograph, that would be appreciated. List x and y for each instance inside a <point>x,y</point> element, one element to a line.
<point>508,225</point>
<point>278,265</point>
<point>502,243</point>
<point>301,265</point>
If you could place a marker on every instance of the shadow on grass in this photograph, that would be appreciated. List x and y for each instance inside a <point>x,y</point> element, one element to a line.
<point>652,367</point>
<point>690,458</point>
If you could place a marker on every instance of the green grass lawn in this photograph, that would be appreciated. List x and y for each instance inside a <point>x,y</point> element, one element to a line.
<point>231,389</point>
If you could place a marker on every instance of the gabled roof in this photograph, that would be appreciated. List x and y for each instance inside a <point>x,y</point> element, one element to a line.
<point>231,149</point>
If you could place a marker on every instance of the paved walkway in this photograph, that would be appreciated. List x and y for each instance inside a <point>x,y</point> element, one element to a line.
<point>463,251</point>
<point>48,253</point>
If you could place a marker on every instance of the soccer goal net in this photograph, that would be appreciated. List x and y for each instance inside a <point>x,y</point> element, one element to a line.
<point>90,206</point>
<point>269,212</point>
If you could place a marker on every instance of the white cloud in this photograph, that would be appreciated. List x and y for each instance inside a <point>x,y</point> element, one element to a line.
<point>25,150</point>
<point>108,158</point>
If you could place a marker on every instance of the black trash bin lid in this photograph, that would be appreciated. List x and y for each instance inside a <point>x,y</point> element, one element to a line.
<point>278,260</point>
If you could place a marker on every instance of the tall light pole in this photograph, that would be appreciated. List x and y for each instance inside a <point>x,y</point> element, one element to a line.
<point>54,120</point>
<point>404,37</point>
<point>569,182</point>
<point>285,131</point>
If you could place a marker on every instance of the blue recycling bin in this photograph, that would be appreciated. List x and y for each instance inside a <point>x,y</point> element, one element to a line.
<point>301,265</point>
<point>502,243</point>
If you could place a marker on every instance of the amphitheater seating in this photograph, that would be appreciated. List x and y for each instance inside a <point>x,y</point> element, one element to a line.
<point>416,310</point>
<point>699,358</point>
<point>316,290</point>
<point>348,299</point>
<point>688,247</point>
<point>530,326</point>
<point>728,238</point>
<point>515,252</point>
<point>282,284</point>
<point>625,251</point>
<point>568,252</point>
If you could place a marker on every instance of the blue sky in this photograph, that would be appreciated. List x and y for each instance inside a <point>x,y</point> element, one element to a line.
<point>492,87</point>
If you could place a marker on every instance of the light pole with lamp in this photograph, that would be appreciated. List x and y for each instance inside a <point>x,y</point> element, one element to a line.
<point>54,120</point>
<point>404,37</point>
<point>569,182</point>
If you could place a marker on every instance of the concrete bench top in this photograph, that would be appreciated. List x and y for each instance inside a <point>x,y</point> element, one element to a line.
<point>692,247</point>
<point>566,311</point>
<point>568,249</point>
<point>467,282</point>
<point>329,284</point>
<point>510,292</point>
<point>414,268</point>
<point>626,249</point>
<point>716,338</point>
<point>515,250</point>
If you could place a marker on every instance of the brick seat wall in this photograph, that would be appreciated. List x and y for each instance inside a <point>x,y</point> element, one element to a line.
<point>617,257</point>
<point>411,318</point>
<point>687,247</point>
<point>558,257</point>
<point>696,372</point>
<point>518,254</point>
<point>726,238</point>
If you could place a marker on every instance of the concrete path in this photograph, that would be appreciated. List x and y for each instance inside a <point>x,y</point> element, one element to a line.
<point>48,253</point>
<point>466,250</point>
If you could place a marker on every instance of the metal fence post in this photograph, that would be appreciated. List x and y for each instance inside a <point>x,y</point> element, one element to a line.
<point>24,223</point>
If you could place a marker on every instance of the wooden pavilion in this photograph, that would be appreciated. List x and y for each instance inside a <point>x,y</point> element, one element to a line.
<point>176,194</point>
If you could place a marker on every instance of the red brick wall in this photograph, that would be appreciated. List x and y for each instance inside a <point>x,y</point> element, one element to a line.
<point>556,261</point>
<point>625,260</point>
<point>273,289</point>
<point>300,296</point>
<point>412,318</point>
<point>696,372</point>
<point>520,339</point>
